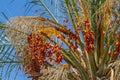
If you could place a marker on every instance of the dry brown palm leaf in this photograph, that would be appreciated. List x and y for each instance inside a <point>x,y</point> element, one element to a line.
<point>18,28</point>
<point>59,72</point>
<point>115,72</point>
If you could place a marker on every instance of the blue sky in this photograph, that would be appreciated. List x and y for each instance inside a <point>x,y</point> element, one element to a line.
<point>11,9</point>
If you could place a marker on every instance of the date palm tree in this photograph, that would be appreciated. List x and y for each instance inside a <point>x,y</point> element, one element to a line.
<point>82,43</point>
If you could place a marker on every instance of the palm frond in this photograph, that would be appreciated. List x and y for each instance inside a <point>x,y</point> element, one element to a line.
<point>7,59</point>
